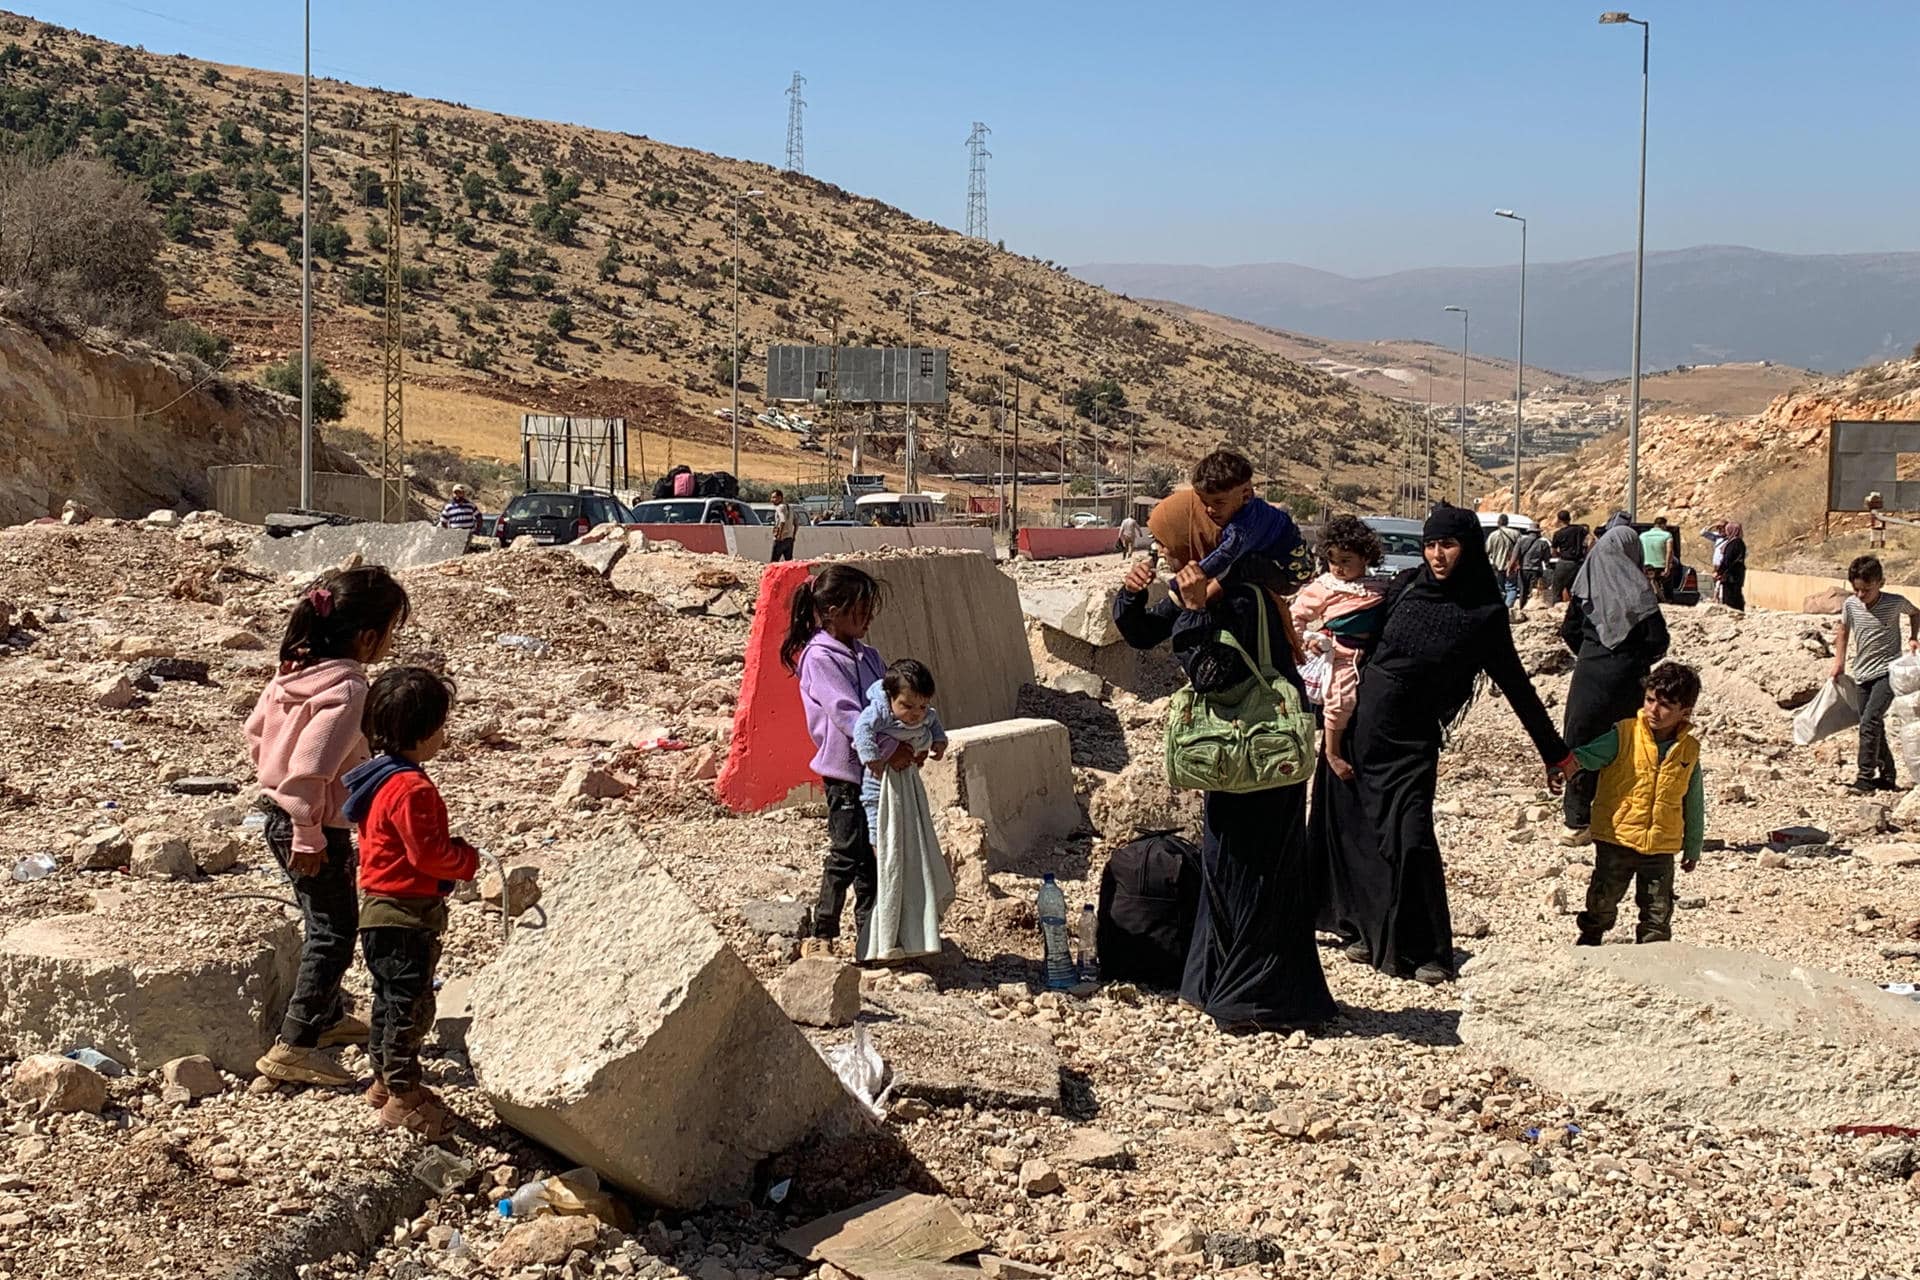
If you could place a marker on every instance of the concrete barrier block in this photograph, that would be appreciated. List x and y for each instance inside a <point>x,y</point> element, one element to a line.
<point>1060,544</point>
<point>397,546</point>
<point>1014,775</point>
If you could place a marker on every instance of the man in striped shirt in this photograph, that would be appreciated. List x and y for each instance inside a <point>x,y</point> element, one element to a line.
<point>460,513</point>
<point>1865,647</point>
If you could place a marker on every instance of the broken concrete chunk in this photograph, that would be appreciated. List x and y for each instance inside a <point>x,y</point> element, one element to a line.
<point>107,849</point>
<point>160,855</point>
<point>113,694</point>
<point>950,1053</point>
<point>544,1241</point>
<point>588,781</point>
<point>890,1233</point>
<point>773,916</point>
<point>1094,1149</point>
<point>54,1083</point>
<point>214,853</point>
<point>1037,1178</point>
<point>200,785</point>
<point>667,1067</point>
<point>1889,857</point>
<point>1137,800</point>
<point>521,890</point>
<point>124,985</point>
<point>135,647</point>
<point>1014,775</point>
<point>819,991</point>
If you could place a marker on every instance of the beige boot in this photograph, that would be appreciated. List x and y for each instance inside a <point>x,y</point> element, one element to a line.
<point>291,1065</point>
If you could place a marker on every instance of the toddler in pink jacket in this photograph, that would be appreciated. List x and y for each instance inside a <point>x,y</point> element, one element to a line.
<point>304,735</point>
<point>1341,608</point>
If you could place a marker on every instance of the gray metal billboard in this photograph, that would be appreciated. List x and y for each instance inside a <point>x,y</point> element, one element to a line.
<point>1864,457</point>
<point>565,452</point>
<point>864,375</point>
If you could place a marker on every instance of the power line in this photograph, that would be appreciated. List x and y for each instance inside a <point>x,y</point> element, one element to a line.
<point>977,156</point>
<point>796,144</point>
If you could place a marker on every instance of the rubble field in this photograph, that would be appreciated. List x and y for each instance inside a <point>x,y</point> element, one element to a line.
<point>1382,1145</point>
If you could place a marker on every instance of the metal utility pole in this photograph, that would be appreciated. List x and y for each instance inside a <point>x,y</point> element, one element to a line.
<point>1000,477</point>
<point>735,357</point>
<point>1615,18</point>
<point>1519,360</point>
<point>306,266</point>
<point>1013,512</point>
<point>796,144</point>
<point>1463,403</point>
<point>913,459</point>
<point>1426,481</point>
<point>977,156</point>
<point>393,436</point>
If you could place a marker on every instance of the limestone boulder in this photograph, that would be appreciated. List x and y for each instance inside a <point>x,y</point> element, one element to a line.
<point>53,1083</point>
<point>191,1078</point>
<point>819,991</point>
<point>629,1037</point>
<point>147,988</point>
<point>161,855</point>
<point>107,849</point>
<point>1137,800</point>
<point>1673,1030</point>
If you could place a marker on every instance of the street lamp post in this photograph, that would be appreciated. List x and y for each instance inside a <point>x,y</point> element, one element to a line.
<point>306,267</point>
<point>735,360</point>
<point>1615,18</point>
<point>913,459</point>
<point>1520,360</point>
<point>1464,319</point>
<point>1426,480</point>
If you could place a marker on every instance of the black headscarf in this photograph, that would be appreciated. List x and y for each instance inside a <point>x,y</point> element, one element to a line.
<point>1472,582</point>
<point>1429,617</point>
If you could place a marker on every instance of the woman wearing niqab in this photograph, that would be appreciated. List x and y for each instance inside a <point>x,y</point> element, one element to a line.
<point>1383,884</point>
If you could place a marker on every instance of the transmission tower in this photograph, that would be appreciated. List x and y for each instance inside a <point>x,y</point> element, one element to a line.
<point>796,145</point>
<point>393,472</point>
<point>977,156</point>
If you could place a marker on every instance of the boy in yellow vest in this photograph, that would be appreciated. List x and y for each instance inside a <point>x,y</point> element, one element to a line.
<point>1650,807</point>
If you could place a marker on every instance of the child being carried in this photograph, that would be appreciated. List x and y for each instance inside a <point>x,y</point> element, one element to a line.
<point>915,885</point>
<point>1343,609</point>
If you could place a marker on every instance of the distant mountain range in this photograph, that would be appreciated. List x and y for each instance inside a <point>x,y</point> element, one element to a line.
<point>1709,304</point>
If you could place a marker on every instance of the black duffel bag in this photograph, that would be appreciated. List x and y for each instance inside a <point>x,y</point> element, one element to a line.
<point>1149,897</point>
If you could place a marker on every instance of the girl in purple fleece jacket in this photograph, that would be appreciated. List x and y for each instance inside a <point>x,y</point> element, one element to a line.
<point>825,648</point>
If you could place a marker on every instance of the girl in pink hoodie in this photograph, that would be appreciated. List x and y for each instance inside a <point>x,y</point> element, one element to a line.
<point>304,735</point>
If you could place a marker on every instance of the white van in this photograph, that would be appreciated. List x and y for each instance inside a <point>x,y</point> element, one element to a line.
<point>897,510</point>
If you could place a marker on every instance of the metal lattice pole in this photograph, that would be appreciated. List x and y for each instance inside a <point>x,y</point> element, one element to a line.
<point>796,144</point>
<point>977,157</point>
<point>393,470</point>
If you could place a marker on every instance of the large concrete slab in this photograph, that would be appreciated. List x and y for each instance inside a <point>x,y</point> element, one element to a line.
<point>1673,1031</point>
<point>1083,612</point>
<point>955,612</point>
<point>629,1037</point>
<point>142,989</point>
<point>945,1049</point>
<point>397,546</point>
<point>1014,775</point>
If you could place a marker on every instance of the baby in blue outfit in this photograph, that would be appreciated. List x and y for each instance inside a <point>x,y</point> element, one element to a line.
<point>899,712</point>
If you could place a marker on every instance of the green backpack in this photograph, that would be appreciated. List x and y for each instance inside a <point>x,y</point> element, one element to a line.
<point>1251,736</point>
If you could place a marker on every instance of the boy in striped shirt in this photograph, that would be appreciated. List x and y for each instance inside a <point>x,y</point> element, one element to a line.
<point>1864,647</point>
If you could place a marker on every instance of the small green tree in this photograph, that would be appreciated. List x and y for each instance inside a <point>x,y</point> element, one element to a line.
<point>473,188</point>
<point>365,287</point>
<point>331,240</point>
<point>1158,478</point>
<point>179,223</point>
<point>1103,394</point>
<point>497,153</point>
<point>560,320</point>
<point>376,236</point>
<point>500,273</point>
<point>541,283</point>
<point>329,397</point>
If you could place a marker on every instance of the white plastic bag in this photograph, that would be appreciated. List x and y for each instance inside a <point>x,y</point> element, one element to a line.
<point>1835,707</point>
<point>1903,730</point>
<point>1904,674</point>
<point>1315,673</point>
<point>861,1069</point>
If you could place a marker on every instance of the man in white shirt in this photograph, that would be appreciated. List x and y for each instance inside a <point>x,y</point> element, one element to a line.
<point>783,527</point>
<point>460,513</point>
<point>1129,535</point>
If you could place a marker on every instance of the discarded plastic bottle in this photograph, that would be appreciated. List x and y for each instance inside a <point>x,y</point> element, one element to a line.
<point>1085,936</point>
<point>1051,906</point>
<point>442,1171</point>
<point>570,1192</point>
<point>98,1061</point>
<point>35,866</point>
<point>532,646</point>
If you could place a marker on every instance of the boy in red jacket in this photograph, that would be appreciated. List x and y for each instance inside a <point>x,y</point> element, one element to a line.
<point>408,866</point>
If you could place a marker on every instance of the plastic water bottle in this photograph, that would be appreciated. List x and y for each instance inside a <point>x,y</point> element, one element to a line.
<point>532,646</point>
<point>35,866</point>
<point>1086,936</point>
<point>1052,909</point>
<point>562,1193</point>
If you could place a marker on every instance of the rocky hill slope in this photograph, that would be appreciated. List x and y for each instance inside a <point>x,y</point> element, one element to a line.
<point>1768,471</point>
<point>550,267</point>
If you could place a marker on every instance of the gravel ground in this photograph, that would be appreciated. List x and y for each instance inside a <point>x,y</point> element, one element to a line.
<point>1377,1147</point>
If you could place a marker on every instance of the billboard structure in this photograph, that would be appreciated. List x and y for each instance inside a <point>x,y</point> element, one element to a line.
<point>565,452</point>
<point>858,375</point>
<point>1873,458</point>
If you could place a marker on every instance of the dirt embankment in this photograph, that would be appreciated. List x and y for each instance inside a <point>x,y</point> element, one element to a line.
<point>123,428</point>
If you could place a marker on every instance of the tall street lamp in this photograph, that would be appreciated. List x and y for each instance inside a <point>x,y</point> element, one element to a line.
<point>913,458</point>
<point>306,267</point>
<point>1615,18</point>
<point>1463,403</point>
<point>1520,360</point>
<point>738,196</point>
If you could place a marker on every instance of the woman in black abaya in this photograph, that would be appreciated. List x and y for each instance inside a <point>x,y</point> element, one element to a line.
<point>1383,888</point>
<point>1253,965</point>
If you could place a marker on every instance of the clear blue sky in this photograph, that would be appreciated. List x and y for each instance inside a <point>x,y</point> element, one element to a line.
<point>1357,137</point>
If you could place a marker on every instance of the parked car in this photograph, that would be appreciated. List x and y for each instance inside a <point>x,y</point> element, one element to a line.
<point>895,510</point>
<point>695,511</point>
<point>556,518</point>
<point>799,513</point>
<point>1683,584</point>
<point>1090,520</point>
<point>1401,540</point>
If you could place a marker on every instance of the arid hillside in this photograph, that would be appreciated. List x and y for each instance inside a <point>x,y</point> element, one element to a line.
<point>550,267</point>
<point>1768,471</point>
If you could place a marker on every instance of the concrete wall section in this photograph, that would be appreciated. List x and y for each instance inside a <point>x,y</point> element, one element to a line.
<point>1061,544</point>
<point>397,546</point>
<point>956,613</point>
<point>1788,592</point>
<point>251,493</point>
<point>710,538</point>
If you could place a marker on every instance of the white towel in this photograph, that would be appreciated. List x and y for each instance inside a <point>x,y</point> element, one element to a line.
<point>916,888</point>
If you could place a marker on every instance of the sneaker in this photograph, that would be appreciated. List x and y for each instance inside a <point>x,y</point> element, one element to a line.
<point>1863,786</point>
<point>1886,784</point>
<point>816,947</point>
<point>377,1093</point>
<point>1432,974</point>
<point>1588,938</point>
<point>349,1030</point>
<point>419,1110</point>
<point>1576,837</point>
<point>1358,951</point>
<point>291,1065</point>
